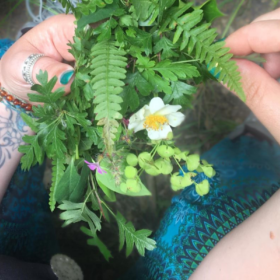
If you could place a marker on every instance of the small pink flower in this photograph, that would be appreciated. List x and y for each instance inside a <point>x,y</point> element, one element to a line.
<point>95,165</point>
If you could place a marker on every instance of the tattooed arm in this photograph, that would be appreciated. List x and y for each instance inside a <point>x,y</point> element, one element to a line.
<point>12,129</point>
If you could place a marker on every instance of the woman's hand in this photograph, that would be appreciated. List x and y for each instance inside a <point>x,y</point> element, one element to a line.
<point>260,84</point>
<point>49,38</point>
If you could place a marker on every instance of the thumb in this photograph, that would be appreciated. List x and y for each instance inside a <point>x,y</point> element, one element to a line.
<point>262,95</point>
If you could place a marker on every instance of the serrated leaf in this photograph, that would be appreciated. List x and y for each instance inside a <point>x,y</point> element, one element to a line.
<point>165,46</point>
<point>99,15</point>
<point>68,183</point>
<point>57,173</point>
<point>131,237</point>
<point>181,94</point>
<point>211,10</point>
<point>95,241</point>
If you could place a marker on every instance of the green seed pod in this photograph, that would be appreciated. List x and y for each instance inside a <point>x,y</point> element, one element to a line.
<point>152,170</point>
<point>177,151</point>
<point>208,171</point>
<point>203,188</point>
<point>164,166</point>
<point>143,158</point>
<point>165,151</point>
<point>176,181</point>
<point>193,161</point>
<point>130,172</point>
<point>132,159</point>
<point>133,185</point>
<point>123,187</point>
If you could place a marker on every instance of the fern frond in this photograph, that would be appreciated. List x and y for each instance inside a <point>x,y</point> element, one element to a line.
<point>197,40</point>
<point>108,66</point>
<point>57,173</point>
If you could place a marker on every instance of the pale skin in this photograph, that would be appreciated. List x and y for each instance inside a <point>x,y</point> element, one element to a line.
<point>252,250</point>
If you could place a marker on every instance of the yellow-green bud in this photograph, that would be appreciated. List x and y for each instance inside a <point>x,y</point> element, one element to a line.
<point>165,151</point>
<point>152,170</point>
<point>144,158</point>
<point>133,185</point>
<point>203,188</point>
<point>130,172</point>
<point>164,166</point>
<point>193,161</point>
<point>132,159</point>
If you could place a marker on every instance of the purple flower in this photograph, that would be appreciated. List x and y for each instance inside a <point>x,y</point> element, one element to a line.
<point>95,165</point>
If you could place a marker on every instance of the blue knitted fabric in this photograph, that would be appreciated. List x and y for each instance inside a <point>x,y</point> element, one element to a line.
<point>4,45</point>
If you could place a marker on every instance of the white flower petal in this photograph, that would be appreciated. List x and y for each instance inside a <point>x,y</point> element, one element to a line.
<point>175,119</point>
<point>138,117</point>
<point>168,109</point>
<point>140,126</point>
<point>159,134</point>
<point>156,104</point>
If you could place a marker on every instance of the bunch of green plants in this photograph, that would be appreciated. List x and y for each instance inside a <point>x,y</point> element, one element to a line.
<point>142,52</point>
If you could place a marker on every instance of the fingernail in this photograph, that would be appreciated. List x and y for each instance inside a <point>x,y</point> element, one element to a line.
<point>213,70</point>
<point>66,76</point>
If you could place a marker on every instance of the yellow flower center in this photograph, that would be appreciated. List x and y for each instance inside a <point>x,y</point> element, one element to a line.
<point>155,122</point>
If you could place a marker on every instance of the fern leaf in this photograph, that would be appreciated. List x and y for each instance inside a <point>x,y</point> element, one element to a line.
<point>108,66</point>
<point>57,173</point>
<point>198,41</point>
<point>131,237</point>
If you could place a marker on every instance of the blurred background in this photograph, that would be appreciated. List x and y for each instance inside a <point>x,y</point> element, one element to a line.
<point>215,113</point>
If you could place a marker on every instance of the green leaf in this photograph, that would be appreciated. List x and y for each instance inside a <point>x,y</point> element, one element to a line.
<point>79,190</point>
<point>181,94</point>
<point>99,15</point>
<point>143,8</point>
<point>164,4</point>
<point>211,10</point>
<point>57,173</point>
<point>131,237</point>
<point>95,241</point>
<point>130,98</point>
<point>174,71</point>
<point>68,183</point>
<point>165,46</point>
<point>108,192</point>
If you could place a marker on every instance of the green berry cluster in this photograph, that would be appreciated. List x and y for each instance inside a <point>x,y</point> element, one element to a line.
<point>160,161</point>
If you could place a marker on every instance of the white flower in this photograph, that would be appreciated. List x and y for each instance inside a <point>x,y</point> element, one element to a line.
<point>156,118</point>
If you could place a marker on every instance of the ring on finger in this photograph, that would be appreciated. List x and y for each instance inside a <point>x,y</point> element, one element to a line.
<point>28,67</point>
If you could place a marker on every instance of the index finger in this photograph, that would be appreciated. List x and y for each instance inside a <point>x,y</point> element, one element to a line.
<point>257,37</point>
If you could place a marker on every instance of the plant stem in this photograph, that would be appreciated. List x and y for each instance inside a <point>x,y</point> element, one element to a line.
<point>179,165</point>
<point>97,196</point>
<point>233,16</point>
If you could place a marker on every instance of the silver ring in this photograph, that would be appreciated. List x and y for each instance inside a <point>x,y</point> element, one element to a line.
<point>28,67</point>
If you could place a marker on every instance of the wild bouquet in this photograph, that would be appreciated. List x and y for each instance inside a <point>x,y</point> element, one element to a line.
<point>135,73</point>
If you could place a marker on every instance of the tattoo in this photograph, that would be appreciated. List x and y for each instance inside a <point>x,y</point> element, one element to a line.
<point>12,129</point>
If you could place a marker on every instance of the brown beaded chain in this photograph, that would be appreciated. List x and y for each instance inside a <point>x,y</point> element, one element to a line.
<point>15,102</point>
